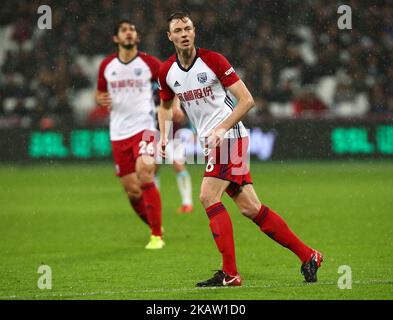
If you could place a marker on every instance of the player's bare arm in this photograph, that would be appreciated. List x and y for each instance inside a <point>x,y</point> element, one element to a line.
<point>245,103</point>
<point>103,99</point>
<point>165,114</point>
<point>177,113</point>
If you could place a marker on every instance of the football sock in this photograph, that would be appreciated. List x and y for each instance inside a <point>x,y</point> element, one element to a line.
<point>139,208</point>
<point>277,229</point>
<point>221,228</point>
<point>152,201</point>
<point>185,187</point>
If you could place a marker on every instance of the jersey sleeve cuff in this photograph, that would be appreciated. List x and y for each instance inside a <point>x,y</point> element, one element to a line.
<point>166,97</point>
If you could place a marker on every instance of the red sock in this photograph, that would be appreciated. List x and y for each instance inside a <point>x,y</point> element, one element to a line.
<point>277,229</point>
<point>152,202</point>
<point>139,208</point>
<point>221,227</point>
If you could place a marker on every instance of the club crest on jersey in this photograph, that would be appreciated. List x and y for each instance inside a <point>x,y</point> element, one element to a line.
<point>202,77</point>
<point>138,71</point>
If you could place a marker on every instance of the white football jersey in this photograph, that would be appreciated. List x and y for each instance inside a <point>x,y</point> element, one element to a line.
<point>131,90</point>
<point>202,90</point>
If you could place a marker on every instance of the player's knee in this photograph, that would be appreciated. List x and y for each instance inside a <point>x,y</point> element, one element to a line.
<point>207,199</point>
<point>145,176</point>
<point>133,192</point>
<point>250,210</point>
<point>146,172</point>
<point>204,199</point>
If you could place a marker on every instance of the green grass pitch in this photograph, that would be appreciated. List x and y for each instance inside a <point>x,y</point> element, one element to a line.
<point>76,219</point>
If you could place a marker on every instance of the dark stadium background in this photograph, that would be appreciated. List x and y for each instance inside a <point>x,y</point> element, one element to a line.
<point>321,141</point>
<point>312,82</point>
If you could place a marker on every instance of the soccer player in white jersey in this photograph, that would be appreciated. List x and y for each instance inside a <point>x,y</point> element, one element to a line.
<point>125,86</point>
<point>201,79</point>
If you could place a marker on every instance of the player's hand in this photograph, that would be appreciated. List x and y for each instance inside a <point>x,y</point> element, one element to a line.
<point>162,146</point>
<point>215,137</point>
<point>104,99</point>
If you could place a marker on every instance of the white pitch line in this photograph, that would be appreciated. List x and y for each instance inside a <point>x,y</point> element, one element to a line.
<point>185,289</point>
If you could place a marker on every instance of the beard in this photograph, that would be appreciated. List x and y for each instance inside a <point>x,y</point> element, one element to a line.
<point>127,46</point>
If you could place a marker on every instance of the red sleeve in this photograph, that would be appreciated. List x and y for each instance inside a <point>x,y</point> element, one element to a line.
<point>297,107</point>
<point>166,93</point>
<point>102,84</point>
<point>153,63</point>
<point>220,66</point>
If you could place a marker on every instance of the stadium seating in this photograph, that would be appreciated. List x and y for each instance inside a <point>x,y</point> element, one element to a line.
<point>276,59</point>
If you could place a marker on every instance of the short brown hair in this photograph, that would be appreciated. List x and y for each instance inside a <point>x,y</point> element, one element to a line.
<point>117,26</point>
<point>179,15</point>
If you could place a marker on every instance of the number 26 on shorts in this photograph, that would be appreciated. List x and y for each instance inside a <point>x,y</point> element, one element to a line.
<point>146,148</point>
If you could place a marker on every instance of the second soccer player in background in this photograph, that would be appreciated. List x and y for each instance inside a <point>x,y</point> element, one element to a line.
<point>125,86</point>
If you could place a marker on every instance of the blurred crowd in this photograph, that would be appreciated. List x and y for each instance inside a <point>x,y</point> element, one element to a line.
<point>291,54</point>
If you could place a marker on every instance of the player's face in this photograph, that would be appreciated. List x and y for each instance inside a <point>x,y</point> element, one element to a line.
<point>127,36</point>
<point>182,34</point>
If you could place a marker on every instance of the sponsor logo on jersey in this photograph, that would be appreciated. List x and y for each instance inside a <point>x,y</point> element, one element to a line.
<point>202,77</point>
<point>229,71</point>
<point>196,94</point>
<point>177,84</point>
<point>129,83</point>
<point>138,71</point>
